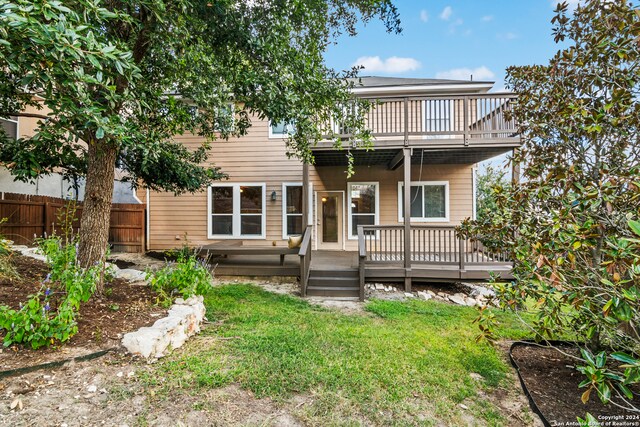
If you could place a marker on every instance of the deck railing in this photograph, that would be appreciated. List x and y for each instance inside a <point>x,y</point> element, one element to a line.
<point>430,245</point>
<point>468,118</point>
<point>305,259</point>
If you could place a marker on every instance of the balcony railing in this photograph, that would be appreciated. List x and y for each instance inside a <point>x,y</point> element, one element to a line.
<point>466,118</point>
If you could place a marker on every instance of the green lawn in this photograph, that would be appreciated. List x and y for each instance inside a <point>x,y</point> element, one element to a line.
<point>400,363</point>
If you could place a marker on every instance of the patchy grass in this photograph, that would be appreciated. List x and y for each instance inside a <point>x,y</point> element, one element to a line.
<point>402,363</point>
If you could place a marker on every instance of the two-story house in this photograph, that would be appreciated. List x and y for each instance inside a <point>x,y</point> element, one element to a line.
<point>428,132</point>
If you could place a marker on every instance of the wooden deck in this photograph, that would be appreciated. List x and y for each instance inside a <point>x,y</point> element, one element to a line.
<point>438,254</point>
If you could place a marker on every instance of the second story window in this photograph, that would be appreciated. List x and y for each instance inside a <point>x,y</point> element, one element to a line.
<point>10,126</point>
<point>225,118</point>
<point>280,129</point>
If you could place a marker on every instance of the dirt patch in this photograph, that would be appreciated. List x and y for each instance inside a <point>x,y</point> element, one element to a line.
<point>108,391</point>
<point>102,321</point>
<point>553,383</point>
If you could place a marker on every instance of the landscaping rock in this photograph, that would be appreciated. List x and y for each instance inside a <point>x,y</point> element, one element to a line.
<point>409,295</point>
<point>458,299</point>
<point>131,275</point>
<point>183,320</point>
<point>32,253</point>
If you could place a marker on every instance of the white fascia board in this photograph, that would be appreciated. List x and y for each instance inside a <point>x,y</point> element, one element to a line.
<point>423,89</point>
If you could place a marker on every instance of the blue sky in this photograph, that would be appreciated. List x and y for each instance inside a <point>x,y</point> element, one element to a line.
<point>452,39</point>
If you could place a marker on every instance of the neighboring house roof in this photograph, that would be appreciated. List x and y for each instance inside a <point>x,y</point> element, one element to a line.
<point>366,85</point>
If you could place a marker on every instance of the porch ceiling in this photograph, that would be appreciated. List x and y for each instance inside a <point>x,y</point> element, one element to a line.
<point>390,157</point>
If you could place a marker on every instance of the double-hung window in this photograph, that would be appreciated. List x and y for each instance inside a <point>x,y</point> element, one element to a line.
<point>237,211</point>
<point>292,220</point>
<point>280,129</point>
<point>429,201</point>
<point>364,205</point>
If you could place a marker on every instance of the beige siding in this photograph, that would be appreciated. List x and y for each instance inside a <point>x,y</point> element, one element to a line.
<point>255,158</point>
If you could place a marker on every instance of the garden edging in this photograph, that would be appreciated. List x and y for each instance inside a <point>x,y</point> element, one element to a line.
<point>183,321</point>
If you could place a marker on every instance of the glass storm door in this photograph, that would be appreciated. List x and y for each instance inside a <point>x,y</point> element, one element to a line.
<point>330,220</point>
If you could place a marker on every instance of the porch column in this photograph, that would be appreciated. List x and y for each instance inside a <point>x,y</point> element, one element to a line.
<point>406,151</point>
<point>305,196</point>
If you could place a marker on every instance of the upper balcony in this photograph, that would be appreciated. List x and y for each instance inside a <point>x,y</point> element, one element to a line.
<point>454,128</point>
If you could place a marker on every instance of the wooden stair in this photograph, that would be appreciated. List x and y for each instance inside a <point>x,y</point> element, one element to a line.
<point>338,283</point>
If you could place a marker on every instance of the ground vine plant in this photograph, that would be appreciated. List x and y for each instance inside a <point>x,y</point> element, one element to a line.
<point>49,315</point>
<point>572,223</point>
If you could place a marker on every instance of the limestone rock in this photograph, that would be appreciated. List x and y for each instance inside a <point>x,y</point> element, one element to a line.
<point>458,299</point>
<point>183,320</point>
<point>131,274</point>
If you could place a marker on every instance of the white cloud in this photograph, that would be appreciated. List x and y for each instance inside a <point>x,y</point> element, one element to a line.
<point>453,27</point>
<point>487,18</point>
<point>479,73</point>
<point>424,16</point>
<point>446,13</point>
<point>390,65</point>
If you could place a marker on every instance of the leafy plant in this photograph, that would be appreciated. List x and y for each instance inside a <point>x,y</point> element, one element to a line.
<point>49,315</point>
<point>571,224</point>
<point>187,276</point>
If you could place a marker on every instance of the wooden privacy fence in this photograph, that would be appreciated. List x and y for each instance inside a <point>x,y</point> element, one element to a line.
<point>32,216</point>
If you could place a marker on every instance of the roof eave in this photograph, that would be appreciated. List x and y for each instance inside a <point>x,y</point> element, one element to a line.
<point>477,87</point>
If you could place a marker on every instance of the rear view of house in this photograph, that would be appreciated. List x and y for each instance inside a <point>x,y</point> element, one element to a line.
<point>428,132</point>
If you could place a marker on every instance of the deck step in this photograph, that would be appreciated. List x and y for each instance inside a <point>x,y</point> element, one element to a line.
<point>333,281</point>
<point>333,291</point>
<point>351,272</point>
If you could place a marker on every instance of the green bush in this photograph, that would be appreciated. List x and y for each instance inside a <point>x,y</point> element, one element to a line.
<point>49,315</point>
<point>185,277</point>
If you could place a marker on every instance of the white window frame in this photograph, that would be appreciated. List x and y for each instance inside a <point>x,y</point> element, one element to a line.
<point>451,119</point>
<point>235,224</point>
<point>232,107</point>
<point>17,122</point>
<point>419,184</point>
<point>282,135</point>
<point>349,213</point>
<point>285,236</point>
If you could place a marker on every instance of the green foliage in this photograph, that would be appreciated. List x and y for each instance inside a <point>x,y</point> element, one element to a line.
<point>491,184</point>
<point>49,314</point>
<point>398,364</point>
<point>571,225</point>
<point>186,277</point>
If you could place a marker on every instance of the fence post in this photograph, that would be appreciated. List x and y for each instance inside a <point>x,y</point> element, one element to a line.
<point>48,228</point>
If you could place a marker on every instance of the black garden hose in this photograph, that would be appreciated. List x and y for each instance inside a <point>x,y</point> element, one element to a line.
<point>56,364</point>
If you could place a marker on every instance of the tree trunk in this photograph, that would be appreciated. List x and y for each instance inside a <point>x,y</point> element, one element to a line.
<point>96,213</point>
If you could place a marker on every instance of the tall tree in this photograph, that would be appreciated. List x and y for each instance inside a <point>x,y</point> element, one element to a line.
<point>572,222</point>
<point>121,78</point>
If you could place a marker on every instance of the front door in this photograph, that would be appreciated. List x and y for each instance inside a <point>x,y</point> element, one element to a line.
<point>329,214</point>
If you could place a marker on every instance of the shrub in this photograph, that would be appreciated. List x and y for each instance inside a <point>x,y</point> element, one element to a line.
<point>50,314</point>
<point>187,276</point>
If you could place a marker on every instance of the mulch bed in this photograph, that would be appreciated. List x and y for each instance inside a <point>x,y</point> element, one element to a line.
<point>553,382</point>
<point>102,320</point>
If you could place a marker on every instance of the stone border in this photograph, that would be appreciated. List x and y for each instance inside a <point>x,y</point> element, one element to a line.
<point>184,320</point>
<point>478,295</point>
